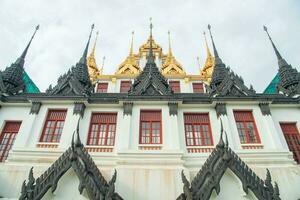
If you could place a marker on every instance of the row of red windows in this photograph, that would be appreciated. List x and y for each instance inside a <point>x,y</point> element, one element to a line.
<point>126,85</point>
<point>102,130</point>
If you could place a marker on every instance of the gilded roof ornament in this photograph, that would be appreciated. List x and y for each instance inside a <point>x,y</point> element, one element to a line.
<point>170,65</point>
<point>208,68</point>
<point>144,49</point>
<point>130,65</point>
<point>94,72</point>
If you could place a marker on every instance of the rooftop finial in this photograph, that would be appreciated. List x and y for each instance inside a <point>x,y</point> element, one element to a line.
<point>281,61</point>
<point>21,59</point>
<point>84,56</point>
<point>151,27</point>
<point>170,49</point>
<point>217,58</point>
<point>151,56</point>
<point>198,62</point>
<point>131,45</point>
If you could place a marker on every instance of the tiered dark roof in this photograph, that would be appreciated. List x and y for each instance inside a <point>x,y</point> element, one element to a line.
<point>225,82</point>
<point>289,83</point>
<point>209,176</point>
<point>77,158</point>
<point>150,81</point>
<point>11,79</point>
<point>77,80</point>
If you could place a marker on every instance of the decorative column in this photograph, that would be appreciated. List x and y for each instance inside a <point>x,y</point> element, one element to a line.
<point>221,111</point>
<point>123,137</point>
<point>273,134</point>
<point>71,124</point>
<point>27,127</point>
<point>173,125</point>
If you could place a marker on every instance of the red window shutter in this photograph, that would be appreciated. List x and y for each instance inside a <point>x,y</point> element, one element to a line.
<point>175,85</point>
<point>53,126</point>
<point>102,129</point>
<point>102,87</point>
<point>125,86</point>
<point>292,138</point>
<point>197,129</point>
<point>150,127</point>
<point>7,138</point>
<point>198,88</point>
<point>246,126</point>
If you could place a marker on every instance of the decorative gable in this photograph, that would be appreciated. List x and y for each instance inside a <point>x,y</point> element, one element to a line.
<point>209,176</point>
<point>77,158</point>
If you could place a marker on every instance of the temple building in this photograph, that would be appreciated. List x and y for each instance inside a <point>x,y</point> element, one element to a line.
<point>150,130</point>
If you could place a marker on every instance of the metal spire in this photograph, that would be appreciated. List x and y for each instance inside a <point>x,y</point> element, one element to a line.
<point>217,58</point>
<point>131,45</point>
<point>84,56</point>
<point>151,56</point>
<point>21,59</point>
<point>170,49</point>
<point>198,62</point>
<point>281,61</point>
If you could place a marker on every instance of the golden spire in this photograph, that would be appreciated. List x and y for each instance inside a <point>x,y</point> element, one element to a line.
<point>130,65</point>
<point>94,72</point>
<point>171,66</point>
<point>207,71</point>
<point>144,49</point>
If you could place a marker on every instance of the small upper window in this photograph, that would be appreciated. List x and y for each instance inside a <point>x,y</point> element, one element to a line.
<point>246,127</point>
<point>175,85</point>
<point>102,129</point>
<point>102,87</point>
<point>125,86</point>
<point>53,126</point>
<point>198,88</point>
<point>150,127</point>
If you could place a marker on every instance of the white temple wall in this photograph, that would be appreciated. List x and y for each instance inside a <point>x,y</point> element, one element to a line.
<point>285,114</point>
<point>266,140</point>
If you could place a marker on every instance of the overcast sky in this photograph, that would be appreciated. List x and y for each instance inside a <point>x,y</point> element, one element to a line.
<point>64,27</point>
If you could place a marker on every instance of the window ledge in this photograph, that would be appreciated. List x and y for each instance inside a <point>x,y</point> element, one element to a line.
<point>200,149</point>
<point>150,146</point>
<point>90,148</point>
<point>47,145</point>
<point>252,146</point>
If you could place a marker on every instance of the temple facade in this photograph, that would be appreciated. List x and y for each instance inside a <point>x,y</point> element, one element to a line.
<point>150,130</point>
